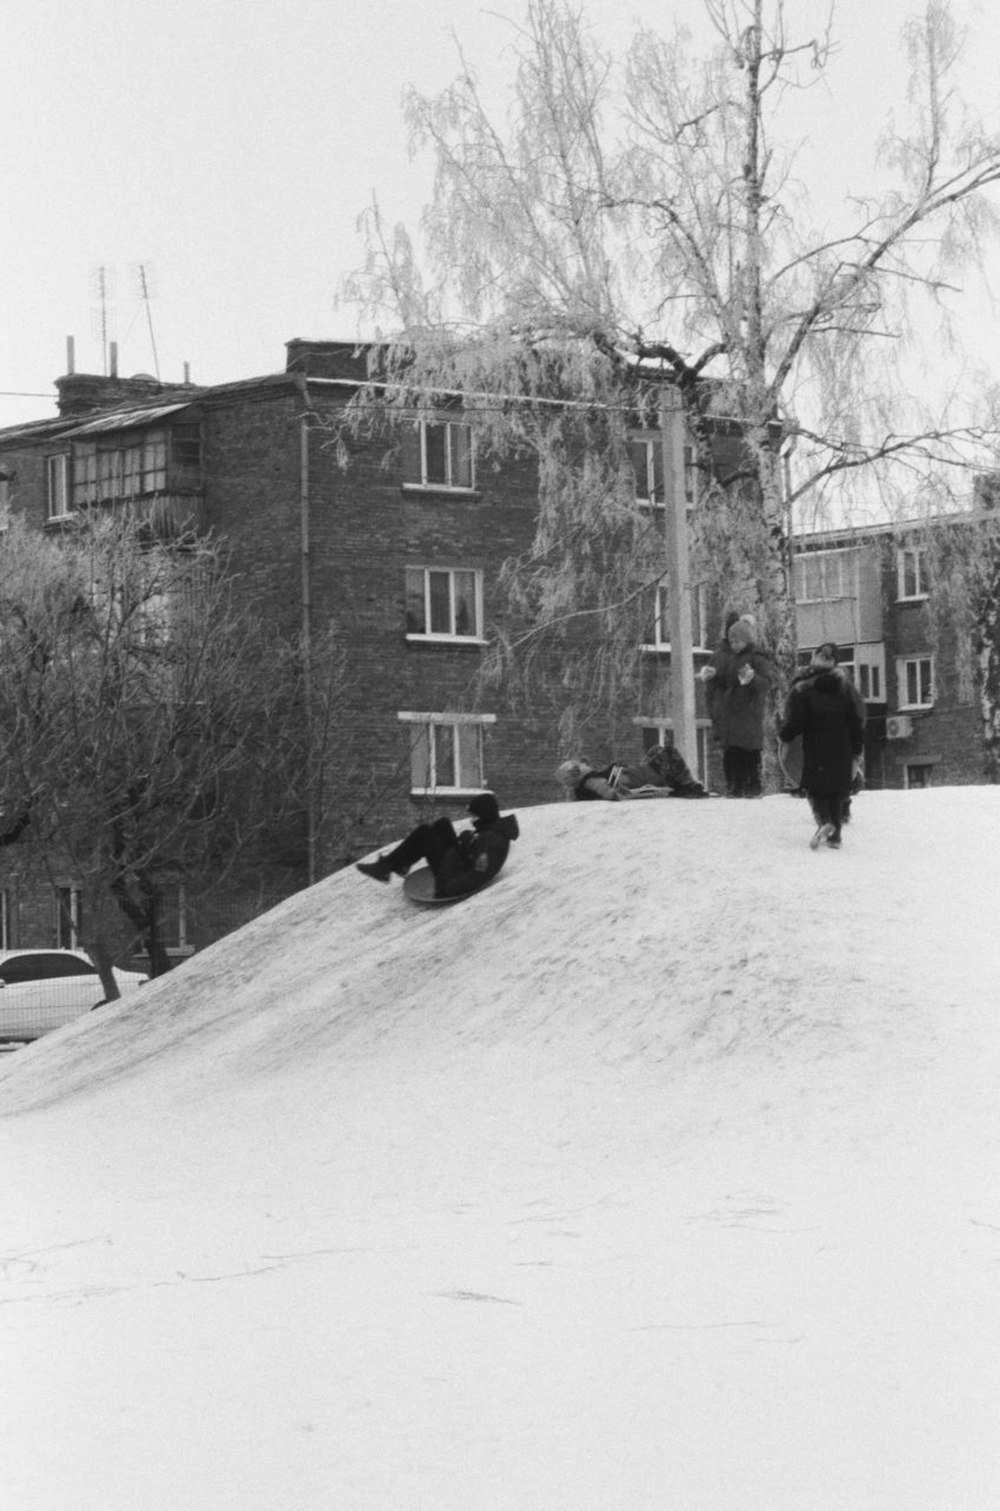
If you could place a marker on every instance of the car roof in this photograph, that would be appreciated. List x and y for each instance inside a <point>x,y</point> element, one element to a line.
<point>44,949</point>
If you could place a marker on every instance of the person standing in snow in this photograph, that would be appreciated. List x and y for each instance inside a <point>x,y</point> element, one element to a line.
<point>824,710</point>
<point>461,863</point>
<point>738,678</point>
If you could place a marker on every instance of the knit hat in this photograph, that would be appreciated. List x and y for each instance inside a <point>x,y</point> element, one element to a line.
<point>485,808</point>
<point>570,772</point>
<point>745,628</point>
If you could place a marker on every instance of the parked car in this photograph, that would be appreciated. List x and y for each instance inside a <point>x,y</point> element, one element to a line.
<point>42,989</point>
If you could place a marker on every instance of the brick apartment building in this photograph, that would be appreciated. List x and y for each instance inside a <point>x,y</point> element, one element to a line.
<point>400,550</point>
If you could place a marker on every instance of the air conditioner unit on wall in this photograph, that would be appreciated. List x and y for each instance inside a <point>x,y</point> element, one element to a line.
<point>899,727</point>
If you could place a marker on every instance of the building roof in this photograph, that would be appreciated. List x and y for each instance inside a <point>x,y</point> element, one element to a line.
<point>128,419</point>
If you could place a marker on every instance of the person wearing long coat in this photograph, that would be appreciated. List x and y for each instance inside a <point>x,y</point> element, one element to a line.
<point>824,710</point>
<point>738,678</point>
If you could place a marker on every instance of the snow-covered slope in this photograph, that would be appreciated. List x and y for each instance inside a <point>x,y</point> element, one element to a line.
<point>661,1174</point>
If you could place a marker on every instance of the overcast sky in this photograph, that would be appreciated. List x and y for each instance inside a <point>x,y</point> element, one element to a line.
<point>227,147</point>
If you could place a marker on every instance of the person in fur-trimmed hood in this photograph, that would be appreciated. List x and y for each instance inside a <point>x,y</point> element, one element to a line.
<point>738,677</point>
<point>824,709</point>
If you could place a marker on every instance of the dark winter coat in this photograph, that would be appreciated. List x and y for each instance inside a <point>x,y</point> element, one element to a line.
<point>736,709</point>
<point>598,786</point>
<point>663,766</point>
<point>824,710</point>
<point>478,853</point>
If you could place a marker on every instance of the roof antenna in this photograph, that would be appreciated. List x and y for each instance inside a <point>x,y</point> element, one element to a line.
<point>103,285</point>
<point>144,282</point>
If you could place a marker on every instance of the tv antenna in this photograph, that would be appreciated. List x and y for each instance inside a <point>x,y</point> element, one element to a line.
<point>144,278</point>
<point>102,283</point>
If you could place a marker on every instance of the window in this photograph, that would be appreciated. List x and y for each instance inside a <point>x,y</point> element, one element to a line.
<point>444,603</point>
<point>154,462</point>
<point>116,469</point>
<point>57,485</point>
<point>915,682</point>
<point>662,733</point>
<point>918,774</point>
<point>911,572</point>
<point>171,923</point>
<point>68,901</point>
<point>657,635</point>
<point>823,576</point>
<point>446,751</point>
<point>870,682</point>
<point>438,454</point>
<point>647,464</point>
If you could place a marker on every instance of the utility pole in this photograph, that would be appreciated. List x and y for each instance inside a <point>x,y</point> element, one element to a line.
<point>672,437</point>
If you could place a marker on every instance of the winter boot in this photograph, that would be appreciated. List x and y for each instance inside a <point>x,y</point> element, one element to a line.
<point>378,870</point>
<point>822,833</point>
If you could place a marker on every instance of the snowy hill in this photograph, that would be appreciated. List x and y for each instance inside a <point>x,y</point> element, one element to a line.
<point>663,1174</point>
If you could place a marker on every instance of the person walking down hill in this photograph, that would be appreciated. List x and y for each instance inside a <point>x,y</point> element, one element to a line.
<point>738,677</point>
<point>461,862</point>
<point>824,711</point>
<point>821,661</point>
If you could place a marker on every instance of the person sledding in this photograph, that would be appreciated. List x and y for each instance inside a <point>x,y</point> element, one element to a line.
<point>824,711</point>
<point>662,772</point>
<point>462,862</point>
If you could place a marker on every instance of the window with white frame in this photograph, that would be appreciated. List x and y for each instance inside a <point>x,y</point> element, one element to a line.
<point>661,732</point>
<point>911,572</point>
<point>447,751</point>
<point>444,603</point>
<point>657,635</point>
<point>57,485</point>
<point>646,453</point>
<point>442,456</point>
<point>823,576</point>
<point>915,681</point>
<point>173,921</point>
<point>68,911</point>
<point>871,681</point>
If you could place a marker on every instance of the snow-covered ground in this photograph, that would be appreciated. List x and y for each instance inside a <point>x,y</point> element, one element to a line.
<point>662,1176</point>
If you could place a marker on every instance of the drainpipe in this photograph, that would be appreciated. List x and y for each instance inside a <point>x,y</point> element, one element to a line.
<point>305,622</point>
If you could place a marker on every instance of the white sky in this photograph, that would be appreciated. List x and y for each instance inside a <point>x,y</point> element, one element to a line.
<point>662,1174</point>
<point>228,146</point>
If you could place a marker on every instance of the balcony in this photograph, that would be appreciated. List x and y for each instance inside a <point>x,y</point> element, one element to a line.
<point>166,516</point>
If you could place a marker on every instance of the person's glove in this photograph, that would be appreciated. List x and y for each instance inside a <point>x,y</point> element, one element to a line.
<point>707,673</point>
<point>745,675</point>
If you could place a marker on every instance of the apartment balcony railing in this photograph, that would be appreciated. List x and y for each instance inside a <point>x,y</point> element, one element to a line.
<point>168,515</point>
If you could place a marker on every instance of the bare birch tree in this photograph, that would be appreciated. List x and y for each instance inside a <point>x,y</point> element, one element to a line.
<point>150,733</point>
<point>637,220</point>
